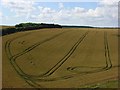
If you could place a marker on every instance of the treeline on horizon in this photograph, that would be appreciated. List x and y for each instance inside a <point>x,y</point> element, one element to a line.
<point>77,26</point>
<point>33,26</point>
<point>28,26</point>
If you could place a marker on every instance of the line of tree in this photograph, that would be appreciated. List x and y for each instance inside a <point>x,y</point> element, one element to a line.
<point>36,25</point>
<point>77,27</point>
<point>28,26</point>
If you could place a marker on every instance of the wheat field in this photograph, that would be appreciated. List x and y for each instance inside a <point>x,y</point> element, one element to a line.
<point>59,58</point>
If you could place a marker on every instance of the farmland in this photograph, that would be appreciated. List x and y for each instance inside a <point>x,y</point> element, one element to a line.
<point>3,27</point>
<point>64,57</point>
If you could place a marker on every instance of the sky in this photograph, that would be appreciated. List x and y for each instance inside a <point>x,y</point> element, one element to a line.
<point>102,13</point>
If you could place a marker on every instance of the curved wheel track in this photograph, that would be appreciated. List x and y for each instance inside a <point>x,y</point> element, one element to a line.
<point>108,64</point>
<point>31,79</point>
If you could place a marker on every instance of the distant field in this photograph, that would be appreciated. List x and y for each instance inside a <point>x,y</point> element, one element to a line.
<point>3,27</point>
<point>55,58</point>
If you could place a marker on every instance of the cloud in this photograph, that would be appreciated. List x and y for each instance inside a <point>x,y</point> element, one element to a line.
<point>45,14</point>
<point>103,15</point>
<point>79,9</point>
<point>109,2</point>
<point>1,14</point>
<point>61,5</point>
<point>100,16</point>
<point>47,10</point>
<point>21,8</point>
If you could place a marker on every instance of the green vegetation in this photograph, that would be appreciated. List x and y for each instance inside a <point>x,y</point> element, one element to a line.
<point>77,27</point>
<point>28,26</point>
<point>37,25</point>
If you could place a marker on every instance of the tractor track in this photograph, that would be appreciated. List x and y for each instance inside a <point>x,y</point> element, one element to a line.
<point>108,66</point>
<point>59,64</point>
<point>108,63</point>
<point>28,78</point>
<point>9,54</point>
<point>12,58</point>
<point>61,61</point>
<point>35,45</point>
<point>66,57</point>
<point>31,79</point>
